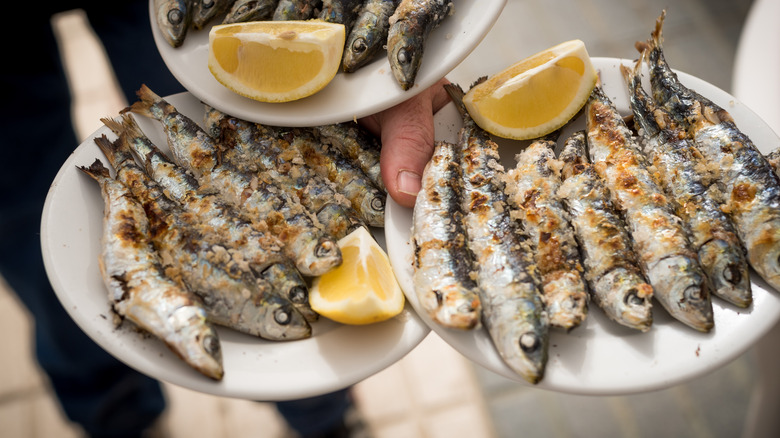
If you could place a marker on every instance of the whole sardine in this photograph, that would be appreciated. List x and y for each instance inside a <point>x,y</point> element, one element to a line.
<point>612,271</point>
<point>660,239</point>
<point>750,189</point>
<point>232,294</point>
<point>532,186</point>
<point>357,144</point>
<point>340,11</point>
<point>246,147</point>
<point>512,305</point>
<point>242,11</point>
<point>216,222</point>
<point>350,181</point>
<point>443,263</point>
<point>174,18</point>
<point>295,9</point>
<point>203,11</point>
<point>681,170</point>
<point>139,290</point>
<point>368,34</point>
<point>313,251</point>
<point>410,25</point>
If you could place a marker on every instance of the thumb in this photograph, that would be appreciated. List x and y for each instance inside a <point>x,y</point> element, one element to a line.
<point>407,135</point>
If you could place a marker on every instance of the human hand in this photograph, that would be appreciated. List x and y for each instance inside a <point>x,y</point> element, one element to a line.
<point>406,131</point>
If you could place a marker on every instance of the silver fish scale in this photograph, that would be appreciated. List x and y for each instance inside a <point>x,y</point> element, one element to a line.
<point>615,281</point>
<point>443,264</point>
<point>682,172</point>
<point>660,240</point>
<point>232,294</point>
<point>410,26</point>
<point>750,187</point>
<point>532,187</point>
<point>512,306</point>
<point>138,288</point>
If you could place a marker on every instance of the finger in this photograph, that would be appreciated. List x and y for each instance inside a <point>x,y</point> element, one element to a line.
<point>407,135</point>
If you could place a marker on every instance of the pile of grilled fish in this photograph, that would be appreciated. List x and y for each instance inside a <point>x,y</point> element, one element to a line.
<point>676,209</point>
<point>230,228</point>
<point>399,26</point>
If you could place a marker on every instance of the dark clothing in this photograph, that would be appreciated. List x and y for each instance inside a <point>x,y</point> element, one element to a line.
<point>103,395</point>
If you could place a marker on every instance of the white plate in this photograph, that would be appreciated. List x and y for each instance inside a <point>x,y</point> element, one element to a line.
<point>367,91</point>
<point>601,357</point>
<point>336,356</point>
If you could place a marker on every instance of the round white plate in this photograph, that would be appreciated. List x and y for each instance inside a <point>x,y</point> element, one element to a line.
<point>369,90</point>
<point>336,356</point>
<point>601,357</point>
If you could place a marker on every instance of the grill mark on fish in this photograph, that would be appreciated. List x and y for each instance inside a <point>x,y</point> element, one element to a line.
<point>532,187</point>
<point>138,288</point>
<point>509,285</point>
<point>313,251</point>
<point>678,165</point>
<point>615,280</point>
<point>750,187</point>
<point>442,262</point>
<point>250,150</point>
<point>218,223</point>
<point>659,238</point>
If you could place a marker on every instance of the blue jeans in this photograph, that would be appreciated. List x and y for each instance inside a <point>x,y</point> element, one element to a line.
<point>98,392</point>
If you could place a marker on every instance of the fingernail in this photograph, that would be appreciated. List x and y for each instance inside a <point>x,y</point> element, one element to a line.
<point>408,182</point>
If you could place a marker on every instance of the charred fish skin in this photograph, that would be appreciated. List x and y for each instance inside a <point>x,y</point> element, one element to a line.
<point>611,269</point>
<point>368,34</point>
<point>340,11</point>
<point>173,18</point>
<point>242,11</point>
<point>750,187</point>
<point>680,168</point>
<point>410,25</point>
<point>218,226</point>
<point>357,144</point>
<point>532,186</point>
<point>330,163</point>
<point>138,288</point>
<point>230,291</point>
<point>295,10</point>
<point>313,251</point>
<point>204,11</point>
<point>660,239</point>
<point>247,148</point>
<point>512,305</point>
<point>442,261</point>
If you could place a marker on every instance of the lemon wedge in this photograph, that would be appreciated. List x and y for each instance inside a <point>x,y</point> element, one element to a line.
<point>276,61</point>
<point>535,96</point>
<point>363,289</point>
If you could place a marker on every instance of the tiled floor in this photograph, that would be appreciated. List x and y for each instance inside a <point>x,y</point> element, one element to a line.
<point>435,392</point>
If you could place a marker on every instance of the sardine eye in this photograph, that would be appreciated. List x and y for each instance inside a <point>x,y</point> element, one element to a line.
<point>175,16</point>
<point>403,56</point>
<point>633,299</point>
<point>298,295</point>
<point>529,342</point>
<point>282,316</point>
<point>359,45</point>
<point>211,344</point>
<point>378,203</point>
<point>207,4</point>
<point>243,9</point>
<point>325,249</point>
<point>732,274</point>
<point>695,293</point>
<point>439,297</point>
